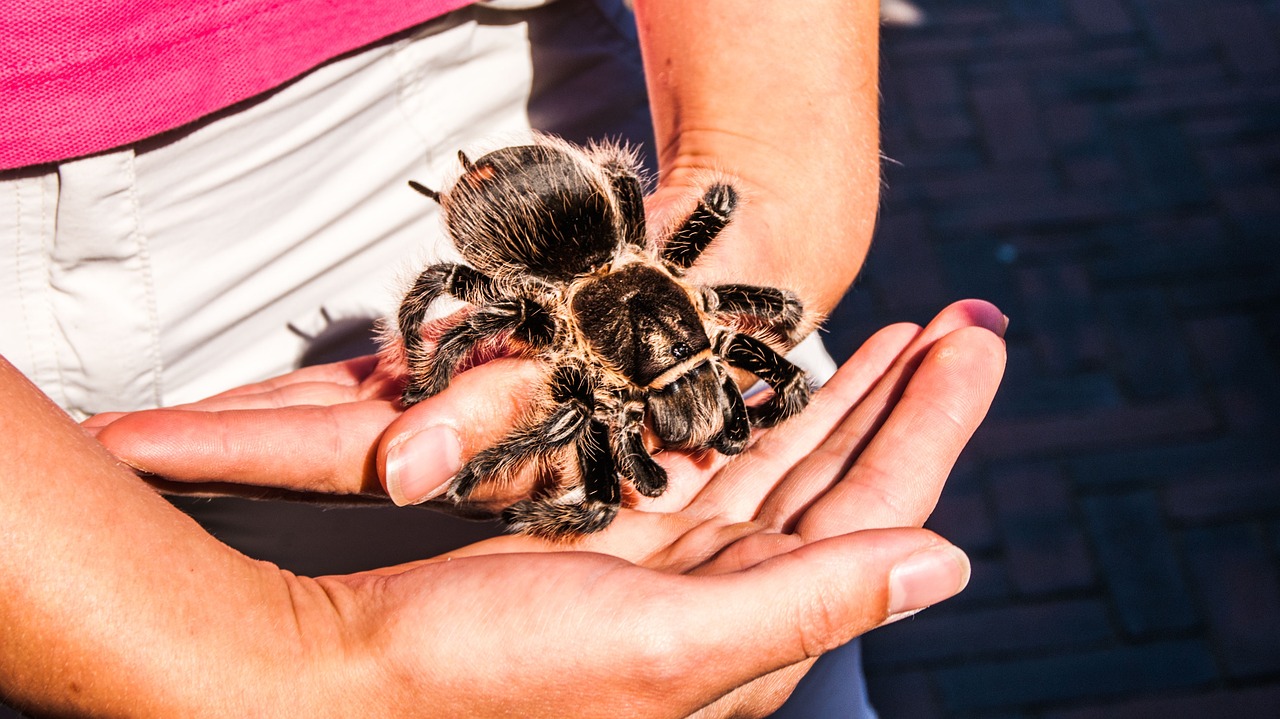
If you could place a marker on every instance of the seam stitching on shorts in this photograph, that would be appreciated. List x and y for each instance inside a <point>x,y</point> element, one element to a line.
<point>148,284</point>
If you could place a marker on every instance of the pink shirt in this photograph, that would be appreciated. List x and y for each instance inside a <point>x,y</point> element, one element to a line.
<point>82,76</point>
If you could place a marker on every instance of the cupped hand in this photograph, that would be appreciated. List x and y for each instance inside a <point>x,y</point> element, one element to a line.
<point>872,451</point>
<point>718,602</point>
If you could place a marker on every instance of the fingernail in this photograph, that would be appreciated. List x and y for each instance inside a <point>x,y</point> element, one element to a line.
<point>1004,327</point>
<point>419,466</point>
<point>926,578</point>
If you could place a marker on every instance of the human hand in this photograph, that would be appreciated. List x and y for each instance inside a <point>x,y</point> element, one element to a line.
<point>704,614</point>
<point>872,451</point>
<point>787,535</point>
<point>334,431</point>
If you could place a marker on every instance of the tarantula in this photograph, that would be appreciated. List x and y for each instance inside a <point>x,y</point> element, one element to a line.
<point>560,268</point>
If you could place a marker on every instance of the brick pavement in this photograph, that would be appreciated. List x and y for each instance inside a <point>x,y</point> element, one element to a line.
<point>1106,171</point>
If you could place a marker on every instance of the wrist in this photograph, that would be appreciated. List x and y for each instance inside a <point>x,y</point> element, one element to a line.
<point>803,223</point>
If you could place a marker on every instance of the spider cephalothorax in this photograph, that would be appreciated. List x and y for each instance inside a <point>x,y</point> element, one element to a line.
<point>560,269</point>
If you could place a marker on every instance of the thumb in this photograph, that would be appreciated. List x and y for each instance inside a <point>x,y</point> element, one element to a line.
<point>806,602</point>
<point>427,445</point>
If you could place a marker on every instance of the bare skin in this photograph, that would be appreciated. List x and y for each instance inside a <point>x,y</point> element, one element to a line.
<point>872,452</point>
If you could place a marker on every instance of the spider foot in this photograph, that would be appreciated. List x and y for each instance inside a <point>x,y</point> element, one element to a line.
<point>462,484</point>
<point>559,518</point>
<point>647,476</point>
<point>788,399</point>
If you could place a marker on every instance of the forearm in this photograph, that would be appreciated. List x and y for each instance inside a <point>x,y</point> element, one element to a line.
<point>113,603</point>
<point>784,96</point>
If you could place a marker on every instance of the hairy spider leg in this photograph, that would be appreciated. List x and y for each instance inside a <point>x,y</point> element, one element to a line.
<point>460,281</point>
<point>523,318</point>
<point>630,455</point>
<point>573,404</point>
<point>592,505</point>
<point>790,386</point>
<point>737,428</point>
<point>779,309</point>
<point>714,210</point>
<point>580,510</point>
<point>630,196</point>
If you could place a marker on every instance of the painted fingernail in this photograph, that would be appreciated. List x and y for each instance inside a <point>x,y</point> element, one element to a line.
<point>419,466</point>
<point>926,578</point>
<point>1004,327</point>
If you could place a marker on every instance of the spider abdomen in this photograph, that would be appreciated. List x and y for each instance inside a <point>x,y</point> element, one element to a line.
<point>533,209</point>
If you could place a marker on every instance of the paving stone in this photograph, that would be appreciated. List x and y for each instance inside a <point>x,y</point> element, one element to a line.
<point>1074,127</point>
<point>976,266</point>
<point>1245,702</point>
<point>1090,174</point>
<point>906,694</point>
<point>1010,127</point>
<point>1226,494</point>
<point>1074,394</point>
<point>1256,286</point>
<point>929,638</point>
<point>1241,594</point>
<point>931,86</point>
<point>1163,166</point>
<point>962,515</point>
<point>991,185</point>
<point>988,586</point>
<point>1062,319</point>
<point>903,250</point>
<point>1169,463</point>
<point>1178,28</point>
<point>1151,353</point>
<point>1233,352</point>
<point>1073,676</point>
<point>1172,249</point>
<point>1046,211</point>
<point>1045,548</point>
<point>1139,563</point>
<point>1080,433</point>
<point>1101,17</point>
<point>1107,172</point>
<point>1245,38</point>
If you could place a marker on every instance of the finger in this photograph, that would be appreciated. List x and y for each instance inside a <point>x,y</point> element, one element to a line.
<point>427,445</point>
<point>804,603</point>
<point>348,373</point>
<point>898,475</point>
<point>320,384</point>
<point>858,400</point>
<point>774,451</point>
<point>326,449</point>
<point>304,449</point>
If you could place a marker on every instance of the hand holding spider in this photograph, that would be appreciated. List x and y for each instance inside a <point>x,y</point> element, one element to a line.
<point>872,451</point>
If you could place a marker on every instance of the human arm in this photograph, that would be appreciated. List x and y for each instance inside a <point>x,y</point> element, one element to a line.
<point>82,604</point>
<point>783,97</point>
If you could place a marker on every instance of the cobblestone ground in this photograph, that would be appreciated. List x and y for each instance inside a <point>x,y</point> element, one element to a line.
<point>1106,171</point>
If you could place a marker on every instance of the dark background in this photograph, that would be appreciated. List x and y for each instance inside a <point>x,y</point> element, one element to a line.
<point>1105,171</point>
